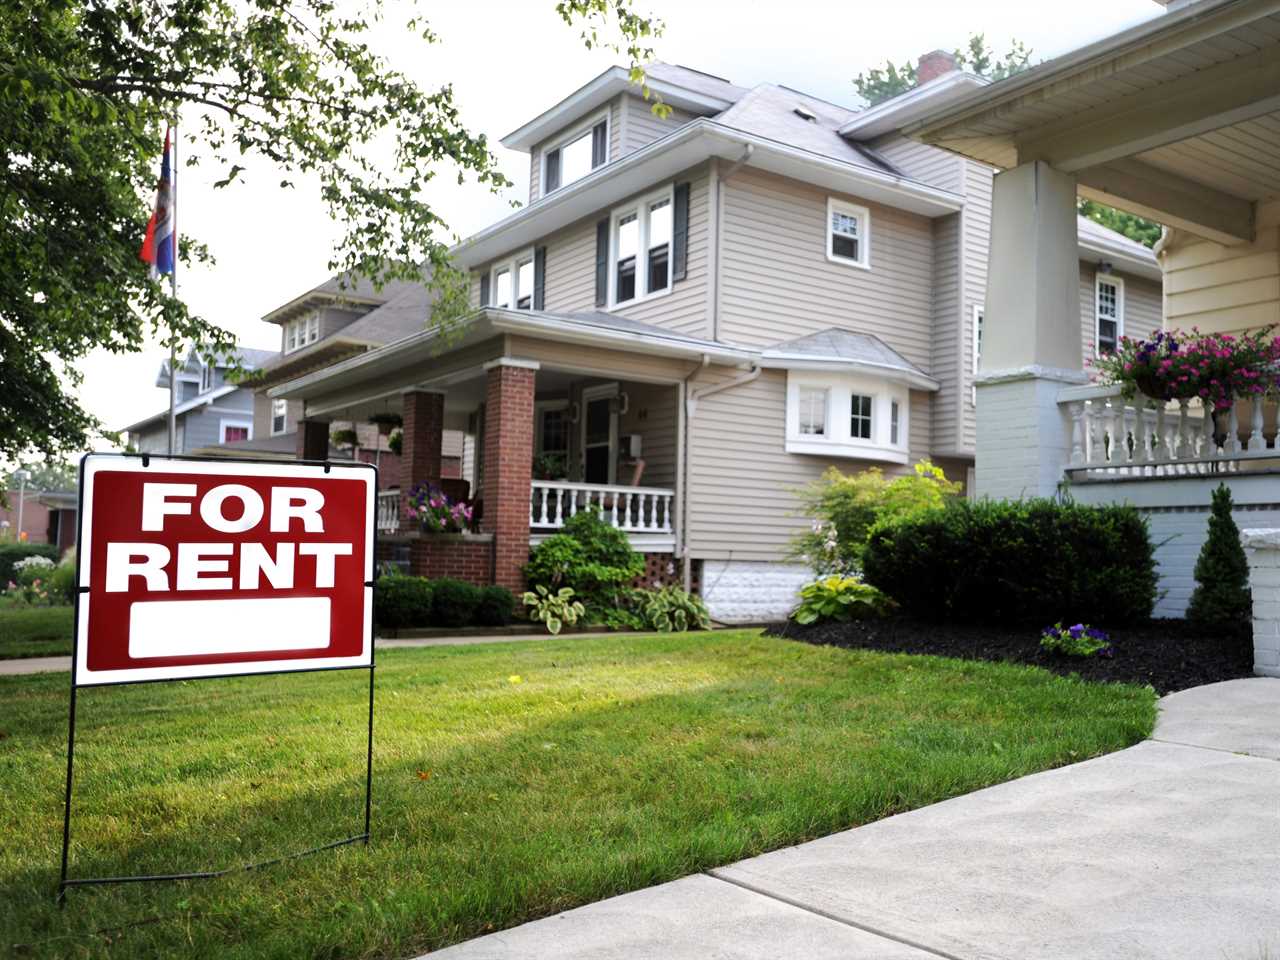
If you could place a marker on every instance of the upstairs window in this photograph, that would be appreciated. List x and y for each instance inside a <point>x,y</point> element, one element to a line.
<point>1110,313</point>
<point>813,411</point>
<point>860,416</point>
<point>641,249</point>
<point>206,378</point>
<point>511,283</point>
<point>279,415</point>
<point>301,331</point>
<point>575,156</point>
<point>848,233</point>
<point>502,287</point>
<point>524,284</point>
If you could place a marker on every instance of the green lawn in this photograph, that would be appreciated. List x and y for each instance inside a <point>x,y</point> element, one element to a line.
<point>511,781</point>
<point>35,631</point>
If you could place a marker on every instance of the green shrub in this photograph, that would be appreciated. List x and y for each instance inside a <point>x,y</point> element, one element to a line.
<point>495,607</point>
<point>1017,562</point>
<point>1222,596</point>
<point>400,601</point>
<point>11,553</point>
<point>840,598</point>
<point>591,557</point>
<point>844,508</point>
<point>453,603</point>
<point>670,608</point>
<point>553,609</point>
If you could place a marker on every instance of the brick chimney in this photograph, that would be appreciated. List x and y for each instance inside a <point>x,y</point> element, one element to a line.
<point>933,65</point>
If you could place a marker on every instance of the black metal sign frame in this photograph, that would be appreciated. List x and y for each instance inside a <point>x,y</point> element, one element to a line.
<point>65,882</point>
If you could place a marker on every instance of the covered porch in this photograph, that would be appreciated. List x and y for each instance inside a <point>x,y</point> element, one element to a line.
<point>553,415</point>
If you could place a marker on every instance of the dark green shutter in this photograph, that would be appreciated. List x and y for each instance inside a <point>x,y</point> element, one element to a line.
<point>539,277</point>
<point>680,233</point>
<point>484,289</point>
<point>553,172</point>
<point>602,262</point>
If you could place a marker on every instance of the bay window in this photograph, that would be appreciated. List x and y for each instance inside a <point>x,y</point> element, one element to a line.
<point>858,415</point>
<point>813,411</point>
<point>640,248</point>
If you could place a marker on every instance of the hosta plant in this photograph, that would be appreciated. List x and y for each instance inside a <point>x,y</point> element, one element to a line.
<point>555,610</point>
<point>841,598</point>
<point>671,609</point>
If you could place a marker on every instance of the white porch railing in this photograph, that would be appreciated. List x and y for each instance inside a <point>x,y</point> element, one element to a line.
<point>1146,438</point>
<point>631,509</point>
<point>388,504</point>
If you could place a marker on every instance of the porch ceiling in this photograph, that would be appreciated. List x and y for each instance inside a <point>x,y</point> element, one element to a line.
<point>1177,119</point>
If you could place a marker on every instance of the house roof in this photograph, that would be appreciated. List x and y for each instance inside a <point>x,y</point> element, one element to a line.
<point>690,90</point>
<point>283,446</point>
<point>909,105</point>
<point>1127,255</point>
<point>839,349</point>
<point>199,400</point>
<point>343,288</point>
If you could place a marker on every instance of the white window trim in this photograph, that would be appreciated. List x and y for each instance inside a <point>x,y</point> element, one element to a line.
<point>206,378</point>
<point>978,320</point>
<point>271,413</point>
<point>864,233</point>
<point>1118,282</point>
<point>585,127</point>
<point>640,207</point>
<point>223,424</point>
<point>303,327</point>
<point>839,440</point>
<point>513,264</point>
<point>600,392</point>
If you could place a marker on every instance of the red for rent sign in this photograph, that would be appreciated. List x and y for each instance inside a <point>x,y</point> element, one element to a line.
<point>198,568</point>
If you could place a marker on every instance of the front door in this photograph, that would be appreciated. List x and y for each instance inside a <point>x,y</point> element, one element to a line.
<point>599,434</point>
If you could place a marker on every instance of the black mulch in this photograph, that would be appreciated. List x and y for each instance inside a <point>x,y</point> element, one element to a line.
<point>1168,654</point>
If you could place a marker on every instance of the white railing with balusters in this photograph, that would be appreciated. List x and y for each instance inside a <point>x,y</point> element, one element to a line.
<point>1111,436</point>
<point>639,510</point>
<point>388,504</point>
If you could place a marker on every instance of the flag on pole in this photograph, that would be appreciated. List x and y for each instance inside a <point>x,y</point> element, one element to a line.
<point>158,246</point>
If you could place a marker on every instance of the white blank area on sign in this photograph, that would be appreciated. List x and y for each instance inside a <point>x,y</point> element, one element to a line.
<point>185,628</point>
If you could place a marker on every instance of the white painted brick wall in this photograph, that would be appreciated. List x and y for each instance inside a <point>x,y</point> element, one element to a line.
<point>1024,438</point>
<point>741,591</point>
<point>1262,546</point>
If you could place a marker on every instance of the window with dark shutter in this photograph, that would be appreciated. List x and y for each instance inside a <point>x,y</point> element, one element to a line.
<point>553,171</point>
<point>680,233</point>
<point>599,144</point>
<point>539,277</point>
<point>484,289</point>
<point>602,262</point>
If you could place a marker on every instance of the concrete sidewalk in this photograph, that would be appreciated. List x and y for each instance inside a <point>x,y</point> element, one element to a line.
<point>1169,850</point>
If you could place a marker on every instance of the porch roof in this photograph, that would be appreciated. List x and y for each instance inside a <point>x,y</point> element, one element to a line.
<point>836,349</point>
<point>1176,119</point>
<point>417,351</point>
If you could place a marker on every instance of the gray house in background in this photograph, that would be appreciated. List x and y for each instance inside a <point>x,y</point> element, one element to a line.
<point>210,411</point>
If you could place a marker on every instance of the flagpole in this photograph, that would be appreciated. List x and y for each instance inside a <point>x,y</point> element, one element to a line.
<point>173,289</point>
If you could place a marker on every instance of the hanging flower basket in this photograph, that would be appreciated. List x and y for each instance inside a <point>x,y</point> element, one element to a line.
<point>386,422</point>
<point>1216,368</point>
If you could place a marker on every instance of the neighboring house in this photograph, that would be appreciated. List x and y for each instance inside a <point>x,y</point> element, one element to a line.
<point>1176,119</point>
<point>695,316</point>
<point>334,321</point>
<point>209,409</point>
<point>48,516</point>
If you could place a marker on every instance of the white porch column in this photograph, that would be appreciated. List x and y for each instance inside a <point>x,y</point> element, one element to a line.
<point>1263,549</point>
<point>1031,343</point>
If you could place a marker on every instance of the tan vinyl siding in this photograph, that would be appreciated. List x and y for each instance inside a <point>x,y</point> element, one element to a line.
<point>600,361</point>
<point>976,219</point>
<point>651,413</point>
<point>1225,289</point>
<point>777,283</point>
<point>948,350</point>
<point>639,125</point>
<point>1142,307</point>
<point>743,483</point>
<point>932,165</point>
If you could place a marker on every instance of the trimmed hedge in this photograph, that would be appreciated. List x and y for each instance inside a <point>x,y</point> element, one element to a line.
<point>11,553</point>
<point>1022,562</point>
<point>495,607</point>
<point>453,603</point>
<point>400,601</point>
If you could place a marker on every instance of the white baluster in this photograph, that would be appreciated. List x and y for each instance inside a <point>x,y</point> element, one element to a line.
<point>1129,417</point>
<point>613,510</point>
<point>1209,448</point>
<point>1077,433</point>
<point>1141,432</point>
<point>1096,432</point>
<point>1257,441</point>
<point>1185,449</point>
<point>573,503</point>
<point>666,514</point>
<point>1233,432</point>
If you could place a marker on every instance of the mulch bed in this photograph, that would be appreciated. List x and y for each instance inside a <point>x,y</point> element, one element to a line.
<point>1169,655</point>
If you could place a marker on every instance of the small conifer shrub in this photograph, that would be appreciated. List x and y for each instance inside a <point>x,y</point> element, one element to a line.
<point>1222,596</point>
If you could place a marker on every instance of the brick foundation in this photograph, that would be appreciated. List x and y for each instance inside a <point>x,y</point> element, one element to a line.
<point>664,570</point>
<point>469,559</point>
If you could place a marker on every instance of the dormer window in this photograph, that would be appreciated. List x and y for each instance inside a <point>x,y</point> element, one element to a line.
<point>576,155</point>
<point>206,378</point>
<point>301,331</point>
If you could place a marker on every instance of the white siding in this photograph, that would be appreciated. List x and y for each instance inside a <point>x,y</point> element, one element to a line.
<point>639,125</point>
<point>949,404</point>
<point>976,249</point>
<point>935,166</point>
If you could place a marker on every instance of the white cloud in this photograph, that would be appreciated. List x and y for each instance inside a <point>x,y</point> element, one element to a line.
<point>508,60</point>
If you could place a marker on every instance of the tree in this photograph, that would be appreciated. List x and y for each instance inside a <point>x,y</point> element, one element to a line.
<point>1222,596</point>
<point>879,84</point>
<point>86,87</point>
<point>1145,232</point>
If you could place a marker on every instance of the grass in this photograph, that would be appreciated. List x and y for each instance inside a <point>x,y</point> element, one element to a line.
<point>35,631</point>
<point>511,781</point>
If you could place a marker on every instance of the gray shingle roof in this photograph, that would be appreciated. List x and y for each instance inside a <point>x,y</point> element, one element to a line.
<point>406,312</point>
<point>834,344</point>
<point>697,81</point>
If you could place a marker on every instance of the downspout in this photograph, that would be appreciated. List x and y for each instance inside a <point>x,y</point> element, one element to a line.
<point>690,408</point>
<point>686,573</point>
<point>715,274</point>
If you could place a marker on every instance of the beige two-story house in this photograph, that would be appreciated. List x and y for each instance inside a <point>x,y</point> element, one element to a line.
<point>695,315</point>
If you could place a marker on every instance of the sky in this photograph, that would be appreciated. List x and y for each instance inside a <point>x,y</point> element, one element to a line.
<point>509,60</point>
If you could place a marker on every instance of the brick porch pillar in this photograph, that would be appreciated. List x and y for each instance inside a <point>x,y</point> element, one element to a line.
<point>421,439</point>
<point>313,439</point>
<point>508,465</point>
